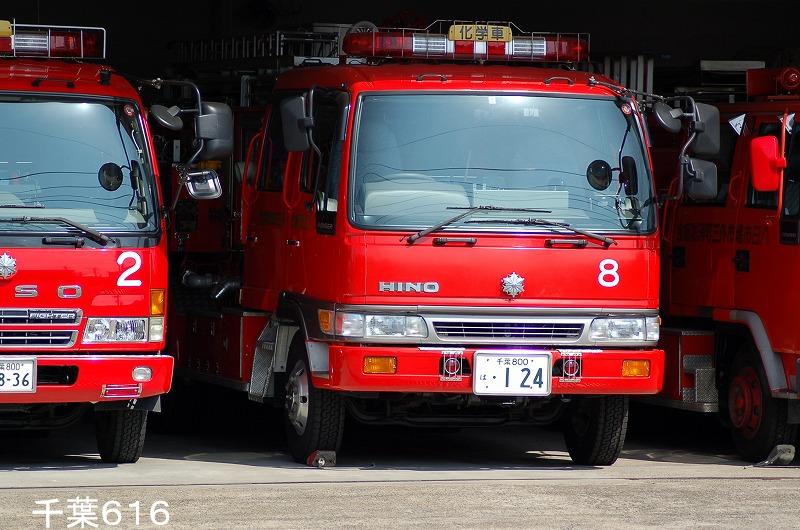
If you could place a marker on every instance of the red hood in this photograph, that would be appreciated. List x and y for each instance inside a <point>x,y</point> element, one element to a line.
<point>473,275</point>
<point>106,284</point>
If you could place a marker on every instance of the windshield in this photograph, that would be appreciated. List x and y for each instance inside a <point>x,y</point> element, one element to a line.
<point>419,154</point>
<point>83,160</point>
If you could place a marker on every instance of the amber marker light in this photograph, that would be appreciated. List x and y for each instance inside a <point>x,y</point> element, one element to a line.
<point>636,368</point>
<point>380,365</point>
<point>157,299</point>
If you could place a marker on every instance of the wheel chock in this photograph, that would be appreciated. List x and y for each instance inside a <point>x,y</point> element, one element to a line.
<point>322,459</point>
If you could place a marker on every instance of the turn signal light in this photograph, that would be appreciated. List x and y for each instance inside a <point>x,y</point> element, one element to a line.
<point>380,365</point>
<point>157,299</point>
<point>637,368</point>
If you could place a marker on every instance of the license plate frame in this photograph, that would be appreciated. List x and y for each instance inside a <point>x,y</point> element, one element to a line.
<point>537,359</point>
<point>28,366</point>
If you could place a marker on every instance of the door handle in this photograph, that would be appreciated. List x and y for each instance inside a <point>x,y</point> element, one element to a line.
<point>742,261</point>
<point>293,242</point>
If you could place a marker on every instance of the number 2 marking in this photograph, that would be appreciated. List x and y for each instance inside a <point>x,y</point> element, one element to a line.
<point>609,268</point>
<point>123,280</point>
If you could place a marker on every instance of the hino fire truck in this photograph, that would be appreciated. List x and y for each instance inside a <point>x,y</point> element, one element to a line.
<point>457,230</point>
<point>732,345</point>
<point>83,257</point>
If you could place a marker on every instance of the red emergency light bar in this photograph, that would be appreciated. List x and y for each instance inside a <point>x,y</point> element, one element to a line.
<point>33,40</point>
<point>467,41</point>
<point>773,81</point>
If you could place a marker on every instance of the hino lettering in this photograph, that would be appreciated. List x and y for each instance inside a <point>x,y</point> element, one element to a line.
<point>408,287</point>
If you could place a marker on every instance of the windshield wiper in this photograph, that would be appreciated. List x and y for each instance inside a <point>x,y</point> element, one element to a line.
<point>607,241</point>
<point>469,211</point>
<point>92,234</point>
<point>21,205</point>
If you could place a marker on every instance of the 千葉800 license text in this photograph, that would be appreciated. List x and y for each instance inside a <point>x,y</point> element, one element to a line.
<point>90,512</point>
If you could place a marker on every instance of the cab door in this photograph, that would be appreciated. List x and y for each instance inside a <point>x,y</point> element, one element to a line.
<point>767,247</point>
<point>702,237</point>
<point>264,215</point>
<point>316,258</point>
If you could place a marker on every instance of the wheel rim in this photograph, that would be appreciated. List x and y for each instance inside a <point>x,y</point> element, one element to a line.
<point>297,398</point>
<point>745,402</point>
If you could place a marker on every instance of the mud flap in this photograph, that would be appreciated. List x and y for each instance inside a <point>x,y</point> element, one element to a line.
<point>151,404</point>
<point>794,412</point>
<point>270,356</point>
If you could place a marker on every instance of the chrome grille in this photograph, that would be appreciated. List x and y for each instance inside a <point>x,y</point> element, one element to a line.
<point>42,339</point>
<point>39,316</point>
<point>509,330</point>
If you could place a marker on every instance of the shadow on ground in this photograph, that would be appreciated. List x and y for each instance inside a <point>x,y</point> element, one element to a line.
<point>227,428</point>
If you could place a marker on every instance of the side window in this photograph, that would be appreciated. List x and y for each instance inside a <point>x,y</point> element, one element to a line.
<point>274,155</point>
<point>791,175</point>
<point>328,114</point>
<point>249,125</point>
<point>764,199</point>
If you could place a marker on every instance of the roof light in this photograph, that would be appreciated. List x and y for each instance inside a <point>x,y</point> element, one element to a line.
<point>474,41</point>
<point>33,40</point>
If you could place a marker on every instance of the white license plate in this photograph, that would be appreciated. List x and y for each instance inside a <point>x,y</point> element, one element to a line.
<point>512,373</point>
<point>17,374</point>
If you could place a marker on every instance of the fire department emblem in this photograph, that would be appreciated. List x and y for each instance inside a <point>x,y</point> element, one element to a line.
<point>513,285</point>
<point>8,266</point>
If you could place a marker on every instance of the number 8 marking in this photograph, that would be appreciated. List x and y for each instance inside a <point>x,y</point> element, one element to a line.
<point>608,268</point>
<point>123,280</point>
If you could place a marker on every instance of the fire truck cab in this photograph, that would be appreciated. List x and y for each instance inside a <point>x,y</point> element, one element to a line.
<point>418,241</point>
<point>83,257</point>
<point>731,342</point>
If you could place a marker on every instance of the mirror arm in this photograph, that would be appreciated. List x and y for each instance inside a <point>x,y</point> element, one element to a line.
<point>309,128</point>
<point>182,180</point>
<point>158,83</point>
<point>683,159</point>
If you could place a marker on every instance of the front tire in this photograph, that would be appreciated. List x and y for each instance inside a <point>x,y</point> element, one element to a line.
<point>594,429</point>
<point>758,421</point>
<point>314,418</point>
<point>120,435</point>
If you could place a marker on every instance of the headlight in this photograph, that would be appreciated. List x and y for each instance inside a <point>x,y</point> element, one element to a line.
<point>642,329</point>
<point>101,330</point>
<point>357,325</point>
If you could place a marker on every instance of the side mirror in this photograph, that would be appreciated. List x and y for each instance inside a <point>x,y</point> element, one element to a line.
<point>167,117</point>
<point>598,174</point>
<point>702,185</point>
<point>296,124</point>
<point>203,184</point>
<point>707,126</point>
<point>215,127</point>
<point>766,163</point>
<point>667,117</point>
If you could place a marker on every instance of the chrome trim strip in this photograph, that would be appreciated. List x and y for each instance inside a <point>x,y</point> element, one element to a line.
<point>75,322</point>
<point>508,311</point>
<point>71,334</point>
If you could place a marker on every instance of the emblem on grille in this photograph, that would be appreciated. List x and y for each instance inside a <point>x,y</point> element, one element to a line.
<point>513,285</point>
<point>8,266</point>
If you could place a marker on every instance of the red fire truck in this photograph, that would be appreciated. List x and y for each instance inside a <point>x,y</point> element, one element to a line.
<point>83,260</point>
<point>413,240</point>
<point>730,339</point>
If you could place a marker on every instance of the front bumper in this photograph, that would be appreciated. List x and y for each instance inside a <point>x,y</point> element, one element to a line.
<point>88,378</point>
<point>418,371</point>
